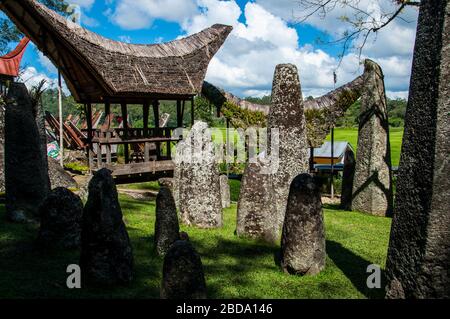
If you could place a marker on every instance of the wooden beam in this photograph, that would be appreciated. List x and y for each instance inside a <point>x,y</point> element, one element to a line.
<point>179,114</point>
<point>108,115</point>
<point>126,151</point>
<point>89,134</point>
<point>192,112</point>
<point>146,113</point>
<point>156,114</point>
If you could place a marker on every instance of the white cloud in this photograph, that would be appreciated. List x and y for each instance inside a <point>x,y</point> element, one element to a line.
<point>87,4</point>
<point>88,21</point>
<point>46,63</point>
<point>31,77</point>
<point>246,62</point>
<point>139,14</point>
<point>125,38</point>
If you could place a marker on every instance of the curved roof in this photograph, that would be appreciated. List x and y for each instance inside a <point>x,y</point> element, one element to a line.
<point>10,63</point>
<point>96,68</point>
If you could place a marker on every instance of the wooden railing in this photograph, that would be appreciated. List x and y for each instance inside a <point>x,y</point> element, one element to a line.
<point>152,144</point>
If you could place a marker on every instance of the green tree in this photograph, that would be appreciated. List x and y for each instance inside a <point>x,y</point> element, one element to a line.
<point>9,32</point>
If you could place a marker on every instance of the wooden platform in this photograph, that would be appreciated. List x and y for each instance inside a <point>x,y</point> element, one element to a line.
<point>140,172</point>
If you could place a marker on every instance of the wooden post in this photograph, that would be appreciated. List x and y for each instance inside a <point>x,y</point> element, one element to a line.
<point>89,134</point>
<point>61,129</point>
<point>332,163</point>
<point>108,115</point>
<point>179,116</point>
<point>125,135</point>
<point>99,156</point>
<point>108,148</point>
<point>183,107</point>
<point>227,148</point>
<point>192,112</point>
<point>157,131</point>
<point>156,112</point>
<point>146,108</point>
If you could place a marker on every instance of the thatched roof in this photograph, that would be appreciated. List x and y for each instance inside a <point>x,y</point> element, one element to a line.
<point>96,68</point>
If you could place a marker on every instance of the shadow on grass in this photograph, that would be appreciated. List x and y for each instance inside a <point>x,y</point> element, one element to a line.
<point>354,268</point>
<point>233,261</point>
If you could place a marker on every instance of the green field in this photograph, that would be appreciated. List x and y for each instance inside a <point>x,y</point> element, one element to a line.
<point>351,135</point>
<point>234,267</point>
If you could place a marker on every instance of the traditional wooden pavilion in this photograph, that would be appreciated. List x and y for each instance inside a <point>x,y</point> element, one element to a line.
<point>103,71</point>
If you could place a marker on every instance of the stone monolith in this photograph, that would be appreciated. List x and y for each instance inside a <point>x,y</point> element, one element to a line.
<point>106,253</point>
<point>60,215</point>
<point>256,217</point>
<point>372,183</point>
<point>198,184</point>
<point>303,238</point>
<point>26,176</point>
<point>225,191</point>
<point>287,116</point>
<point>183,276</point>
<point>418,260</point>
<point>167,230</point>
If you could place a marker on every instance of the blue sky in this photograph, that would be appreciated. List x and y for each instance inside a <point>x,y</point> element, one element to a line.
<point>266,32</point>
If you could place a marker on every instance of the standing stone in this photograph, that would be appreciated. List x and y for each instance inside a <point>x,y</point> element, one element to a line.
<point>39,116</point>
<point>2,147</point>
<point>287,115</point>
<point>418,261</point>
<point>372,185</point>
<point>225,191</point>
<point>106,254</point>
<point>348,175</point>
<point>84,189</point>
<point>26,175</point>
<point>171,184</point>
<point>256,217</point>
<point>183,276</point>
<point>58,176</point>
<point>198,179</point>
<point>60,216</point>
<point>303,238</point>
<point>167,230</point>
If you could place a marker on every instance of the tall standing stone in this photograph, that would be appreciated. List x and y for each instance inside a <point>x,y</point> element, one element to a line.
<point>2,147</point>
<point>303,237</point>
<point>58,176</point>
<point>39,116</point>
<point>418,259</point>
<point>167,230</point>
<point>171,184</point>
<point>372,184</point>
<point>198,185</point>
<point>183,276</point>
<point>106,254</point>
<point>347,180</point>
<point>256,217</point>
<point>287,115</point>
<point>225,191</point>
<point>60,216</point>
<point>26,176</point>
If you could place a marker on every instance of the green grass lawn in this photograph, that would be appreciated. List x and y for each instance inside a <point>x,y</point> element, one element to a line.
<point>351,135</point>
<point>234,267</point>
